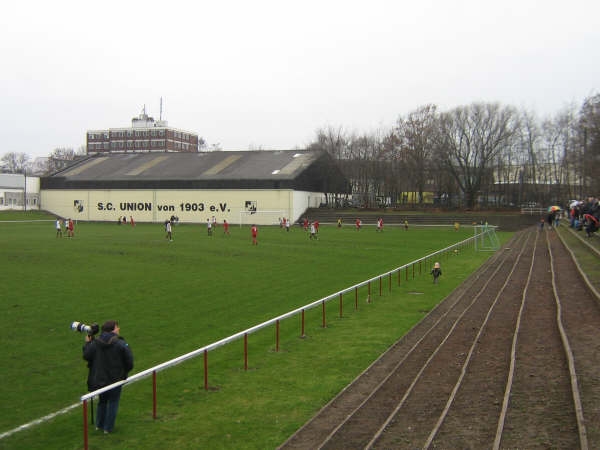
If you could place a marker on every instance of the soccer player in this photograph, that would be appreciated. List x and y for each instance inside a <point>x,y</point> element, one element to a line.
<point>254,232</point>
<point>169,230</point>
<point>59,232</point>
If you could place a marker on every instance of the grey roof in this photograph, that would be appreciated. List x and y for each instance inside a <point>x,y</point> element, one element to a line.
<point>12,181</point>
<point>297,169</point>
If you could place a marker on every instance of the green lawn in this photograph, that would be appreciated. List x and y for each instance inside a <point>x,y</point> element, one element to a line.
<point>174,297</point>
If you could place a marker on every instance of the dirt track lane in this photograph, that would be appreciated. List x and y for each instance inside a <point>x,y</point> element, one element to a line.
<point>447,382</point>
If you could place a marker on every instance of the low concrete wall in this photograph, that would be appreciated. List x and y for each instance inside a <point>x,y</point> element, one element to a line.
<point>507,222</point>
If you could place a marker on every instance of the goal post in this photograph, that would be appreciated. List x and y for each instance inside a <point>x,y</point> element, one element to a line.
<point>486,239</point>
<point>262,217</point>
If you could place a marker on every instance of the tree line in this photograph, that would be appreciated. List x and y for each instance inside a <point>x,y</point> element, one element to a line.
<point>481,154</point>
<point>477,155</point>
<point>13,162</point>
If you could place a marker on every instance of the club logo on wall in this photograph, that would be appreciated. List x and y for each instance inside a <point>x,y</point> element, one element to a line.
<point>78,205</point>
<point>250,206</point>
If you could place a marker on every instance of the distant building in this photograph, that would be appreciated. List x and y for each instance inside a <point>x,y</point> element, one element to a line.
<point>19,192</point>
<point>242,187</point>
<point>145,135</point>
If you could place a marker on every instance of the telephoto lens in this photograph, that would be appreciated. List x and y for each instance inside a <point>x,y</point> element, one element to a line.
<point>83,328</point>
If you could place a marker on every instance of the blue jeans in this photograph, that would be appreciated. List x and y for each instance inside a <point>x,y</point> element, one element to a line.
<point>107,409</point>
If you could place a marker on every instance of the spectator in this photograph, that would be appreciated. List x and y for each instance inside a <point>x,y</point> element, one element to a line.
<point>110,360</point>
<point>436,272</point>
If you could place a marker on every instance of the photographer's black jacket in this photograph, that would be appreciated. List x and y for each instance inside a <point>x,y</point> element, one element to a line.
<point>109,358</point>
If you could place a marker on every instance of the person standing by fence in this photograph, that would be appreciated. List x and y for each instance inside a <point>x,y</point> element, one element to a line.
<point>110,360</point>
<point>436,272</point>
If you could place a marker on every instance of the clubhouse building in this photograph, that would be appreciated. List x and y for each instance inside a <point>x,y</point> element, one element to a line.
<point>238,186</point>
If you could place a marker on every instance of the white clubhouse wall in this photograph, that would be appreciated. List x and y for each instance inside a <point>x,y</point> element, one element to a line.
<point>188,205</point>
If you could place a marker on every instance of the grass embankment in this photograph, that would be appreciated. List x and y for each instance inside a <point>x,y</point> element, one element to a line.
<point>587,260</point>
<point>174,297</point>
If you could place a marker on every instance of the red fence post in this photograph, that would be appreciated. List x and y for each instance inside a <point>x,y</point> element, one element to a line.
<point>206,370</point>
<point>324,322</point>
<point>406,273</point>
<point>380,291</point>
<point>413,267</point>
<point>277,336</point>
<point>420,267</point>
<point>245,351</point>
<point>390,282</point>
<point>85,426</point>
<point>154,394</point>
<point>341,305</point>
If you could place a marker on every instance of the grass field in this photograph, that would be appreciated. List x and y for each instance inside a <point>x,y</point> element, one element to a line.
<point>173,297</point>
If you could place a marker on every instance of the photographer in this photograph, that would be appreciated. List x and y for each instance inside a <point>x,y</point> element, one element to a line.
<point>110,359</point>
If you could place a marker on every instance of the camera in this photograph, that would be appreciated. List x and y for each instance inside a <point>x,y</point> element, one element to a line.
<point>81,327</point>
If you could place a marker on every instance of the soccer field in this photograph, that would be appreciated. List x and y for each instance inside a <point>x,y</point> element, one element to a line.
<point>173,297</point>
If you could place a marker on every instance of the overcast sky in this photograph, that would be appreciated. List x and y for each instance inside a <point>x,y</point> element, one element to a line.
<point>268,74</point>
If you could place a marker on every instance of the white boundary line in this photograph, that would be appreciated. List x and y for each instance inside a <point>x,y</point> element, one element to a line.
<point>39,421</point>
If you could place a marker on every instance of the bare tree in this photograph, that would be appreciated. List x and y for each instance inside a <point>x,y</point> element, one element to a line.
<point>361,167</point>
<point>61,157</point>
<point>590,138</point>
<point>416,133</point>
<point>558,144</point>
<point>14,162</point>
<point>471,137</point>
<point>331,140</point>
